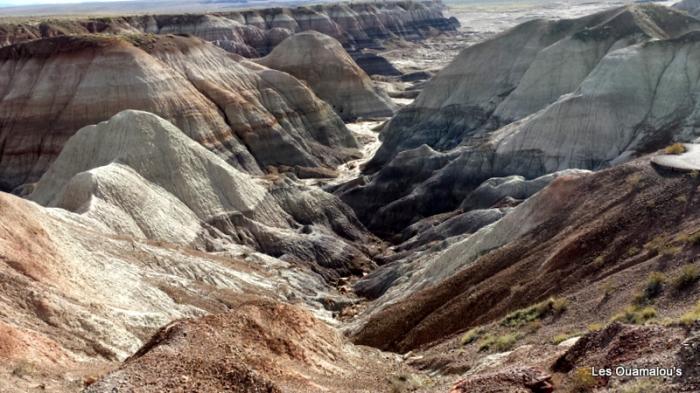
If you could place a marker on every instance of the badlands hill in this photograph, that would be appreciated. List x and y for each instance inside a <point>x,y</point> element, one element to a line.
<point>143,225</point>
<point>331,73</point>
<point>250,116</point>
<point>142,177</point>
<point>522,71</point>
<point>637,99</point>
<point>163,243</point>
<point>254,33</point>
<point>608,246</point>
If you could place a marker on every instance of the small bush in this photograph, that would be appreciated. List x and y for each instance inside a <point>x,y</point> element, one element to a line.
<point>599,262</point>
<point>498,343</point>
<point>608,289</point>
<point>552,306</point>
<point>471,336</point>
<point>632,251</point>
<point>636,315</point>
<point>559,305</point>
<point>676,148</point>
<point>583,380</point>
<point>595,327</point>
<point>689,276</point>
<point>652,289</point>
<point>691,316</point>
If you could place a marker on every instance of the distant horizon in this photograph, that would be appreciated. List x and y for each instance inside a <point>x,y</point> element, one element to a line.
<point>23,3</point>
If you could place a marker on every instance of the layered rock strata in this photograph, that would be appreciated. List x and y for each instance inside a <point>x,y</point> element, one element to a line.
<point>321,61</point>
<point>249,115</point>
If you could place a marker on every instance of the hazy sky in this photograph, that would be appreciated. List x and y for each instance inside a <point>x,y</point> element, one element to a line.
<point>32,2</point>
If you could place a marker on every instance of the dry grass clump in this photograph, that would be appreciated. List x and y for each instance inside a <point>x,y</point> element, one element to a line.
<point>642,386</point>
<point>500,343</point>
<point>560,338</point>
<point>691,316</point>
<point>552,306</point>
<point>583,380</point>
<point>635,315</point>
<point>694,239</point>
<point>662,245</point>
<point>471,336</point>
<point>690,274</point>
<point>676,148</point>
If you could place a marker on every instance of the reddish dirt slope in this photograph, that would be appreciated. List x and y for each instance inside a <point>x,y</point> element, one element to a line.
<point>606,224</point>
<point>262,346</point>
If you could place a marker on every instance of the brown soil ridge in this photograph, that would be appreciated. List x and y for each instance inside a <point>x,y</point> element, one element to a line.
<point>598,219</point>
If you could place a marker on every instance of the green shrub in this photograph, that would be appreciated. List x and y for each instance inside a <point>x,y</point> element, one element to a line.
<point>635,315</point>
<point>498,343</point>
<point>676,148</point>
<point>689,276</point>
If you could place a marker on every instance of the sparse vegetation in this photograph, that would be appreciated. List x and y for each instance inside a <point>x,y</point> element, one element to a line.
<point>691,316</point>
<point>632,251</point>
<point>694,239</point>
<point>642,386</point>
<point>653,288</point>
<point>608,290</point>
<point>635,315</point>
<point>560,338</point>
<point>23,368</point>
<point>471,336</point>
<point>599,262</point>
<point>582,380</point>
<point>595,327</point>
<point>634,179</point>
<point>552,306</point>
<point>676,148</point>
<point>533,327</point>
<point>500,343</point>
<point>690,274</point>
